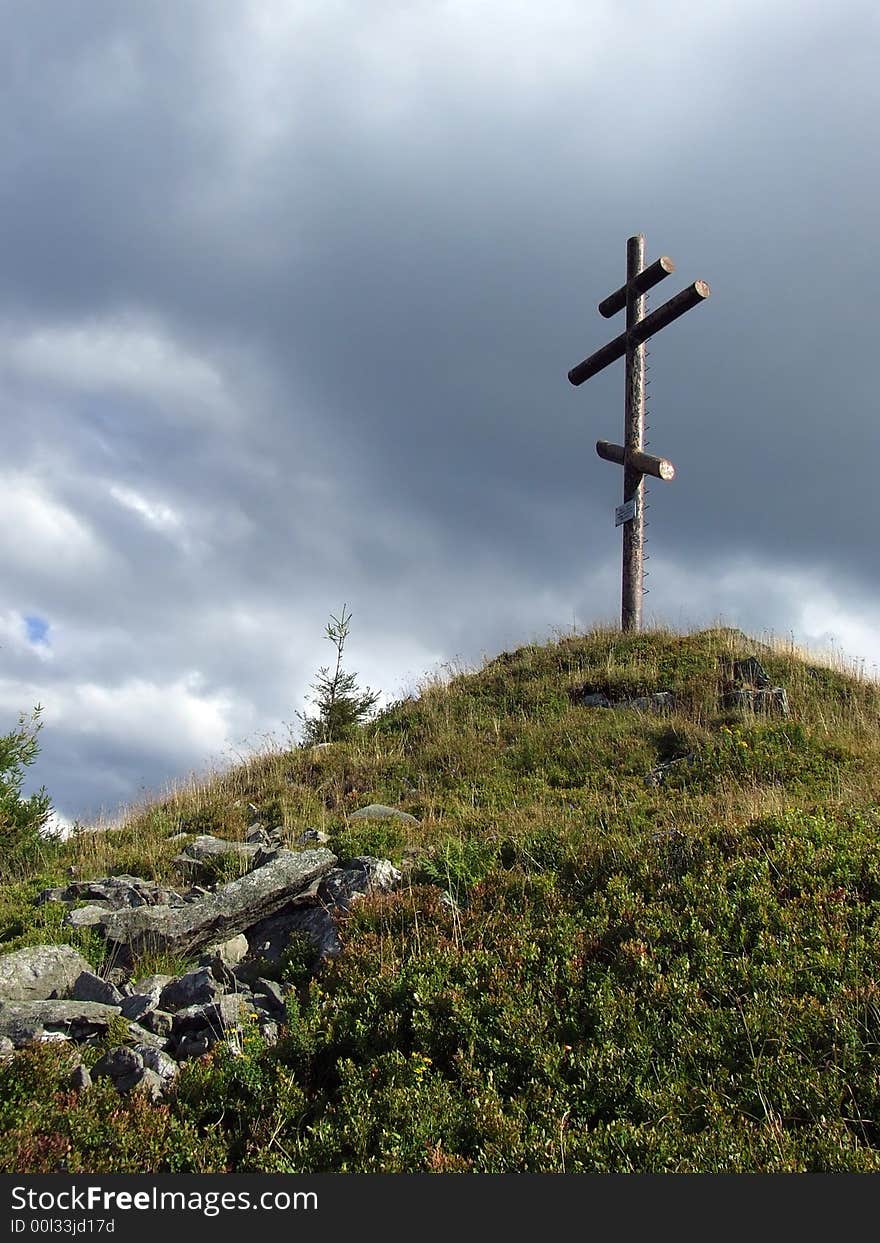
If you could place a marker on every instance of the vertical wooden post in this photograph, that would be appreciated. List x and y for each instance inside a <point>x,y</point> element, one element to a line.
<point>634,428</point>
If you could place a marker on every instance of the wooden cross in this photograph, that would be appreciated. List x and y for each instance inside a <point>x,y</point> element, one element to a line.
<point>630,455</point>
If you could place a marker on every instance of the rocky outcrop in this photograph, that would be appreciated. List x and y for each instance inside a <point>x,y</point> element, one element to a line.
<point>230,910</point>
<point>770,702</point>
<point>27,1022</point>
<point>378,811</point>
<point>752,690</point>
<point>588,697</point>
<point>357,878</point>
<point>40,972</point>
<point>115,893</point>
<point>162,1020</point>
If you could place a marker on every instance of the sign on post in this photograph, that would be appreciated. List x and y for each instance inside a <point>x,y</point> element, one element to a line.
<point>631,455</point>
<point>625,513</point>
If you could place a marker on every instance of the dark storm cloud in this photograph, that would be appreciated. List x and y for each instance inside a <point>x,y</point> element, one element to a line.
<point>290,294</point>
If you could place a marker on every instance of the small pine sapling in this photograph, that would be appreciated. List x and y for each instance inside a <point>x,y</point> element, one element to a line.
<point>341,706</point>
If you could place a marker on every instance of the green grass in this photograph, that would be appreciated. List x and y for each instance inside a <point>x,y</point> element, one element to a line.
<point>683,977</point>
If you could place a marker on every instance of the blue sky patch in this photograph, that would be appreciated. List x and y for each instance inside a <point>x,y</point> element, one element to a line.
<point>37,629</point>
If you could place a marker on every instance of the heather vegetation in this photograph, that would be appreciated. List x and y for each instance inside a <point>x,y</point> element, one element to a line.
<point>587,968</point>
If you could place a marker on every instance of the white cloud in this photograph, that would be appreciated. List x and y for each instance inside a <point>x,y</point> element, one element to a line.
<point>37,530</point>
<point>154,513</point>
<point>131,356</point>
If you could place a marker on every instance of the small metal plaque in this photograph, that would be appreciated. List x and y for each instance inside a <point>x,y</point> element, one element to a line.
<point>625,513</point>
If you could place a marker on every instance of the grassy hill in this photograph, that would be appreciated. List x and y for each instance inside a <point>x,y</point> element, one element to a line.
<point>585,971</point>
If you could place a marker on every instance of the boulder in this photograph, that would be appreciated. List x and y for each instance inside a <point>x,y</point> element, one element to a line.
<point>378,811</point>
<point>196,988</point>
<point>40,972</point>
<point>90,987</point>
<point>227,954</point>
<point>159,1023</point>
<point>129,1069</point>
<point>593,699</point>
<point>28,1022</point>
<point>80,1078</point>
<point>769,702</point>
<point>86,916</point>
<point>119,892</point>
<point>750,672</point>
<point>357,877</point>
<point>312,836</point>
<point>220,915</point>
<point>660,701</point>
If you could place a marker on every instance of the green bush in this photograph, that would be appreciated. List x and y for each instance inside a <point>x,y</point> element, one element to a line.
<point>22,820</point>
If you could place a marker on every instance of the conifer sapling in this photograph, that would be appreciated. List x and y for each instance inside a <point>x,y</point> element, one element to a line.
<point>341,706</point>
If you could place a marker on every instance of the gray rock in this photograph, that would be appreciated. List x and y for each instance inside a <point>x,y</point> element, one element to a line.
<point>50,895</point>
<point>154,1059</point>
<point>194,1044</point>
<point>268,995</point>
<point>227,953</point>
<point>256,835</point>
<point>120,892</point>
<point>750,672</point>
<point>312,836</point>
<point>80,1078</point>
<point>230,910</point>
<point>152,1084</point>
<point>86,916</point>
<point>268,1030</point>
<point>122,1065</point>
<point>145,996</point>
<point>660,701</point>
<point>7,1048</point>
<point>159,1023</point>
<point>40,972</point>
<point>357,877</point>
<point>378,811</point>
<point>90,987</point>
<point>138,1006</point>
<point>196,988</point>
<point>593,699</point>
<point>25,1022</point>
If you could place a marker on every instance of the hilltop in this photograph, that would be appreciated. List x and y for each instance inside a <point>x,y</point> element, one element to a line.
<point>633,925</point>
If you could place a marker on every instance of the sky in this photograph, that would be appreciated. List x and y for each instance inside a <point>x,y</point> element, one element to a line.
<point>290,293</point>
